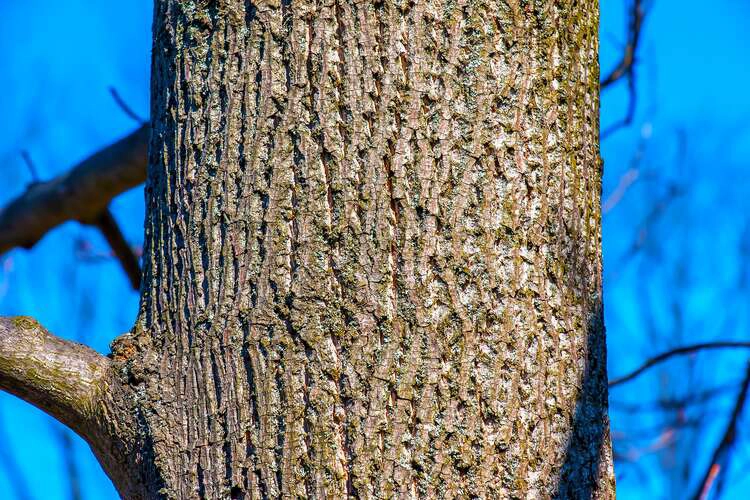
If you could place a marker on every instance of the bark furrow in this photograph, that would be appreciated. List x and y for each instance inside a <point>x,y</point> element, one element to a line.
<point>372,262</point>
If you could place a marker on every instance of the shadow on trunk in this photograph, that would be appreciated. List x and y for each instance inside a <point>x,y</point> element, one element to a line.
<point>583,473</point>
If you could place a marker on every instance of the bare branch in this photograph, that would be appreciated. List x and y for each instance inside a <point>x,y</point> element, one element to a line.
<point>128,260</point>
<point>60,377</point>
<point>656,211</point>
<point>30,165</point>
<point>720,453</point>
<point>124,106</point>
<point>626,180</point>
<point>680,351</point>
<point>625,66</point>
<point>674,404</point>
<point>630,113</point>
<point>77,386</point>
<point>82,194</point>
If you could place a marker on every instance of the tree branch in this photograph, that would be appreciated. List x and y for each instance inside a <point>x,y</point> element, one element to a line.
<point>128,260</point>
<point>82,194</point>
<point>77,386</point>
<point>625,66</point>
<point>720,453</point>
<point>676,352</point>
<point>61,378</point>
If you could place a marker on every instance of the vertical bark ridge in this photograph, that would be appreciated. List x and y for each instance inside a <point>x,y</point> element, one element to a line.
<point>372,258</point>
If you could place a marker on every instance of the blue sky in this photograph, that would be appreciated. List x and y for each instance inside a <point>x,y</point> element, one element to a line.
<point>683,286</point>
<point>59,60</point>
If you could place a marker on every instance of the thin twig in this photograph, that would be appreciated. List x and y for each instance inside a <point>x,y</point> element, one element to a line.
<point>107,224</point>
<point>30,164</point>
<point>679,351</point>
<point>626,180</point>
<point>715,466</point>
<point>650,220</point>
<point>625,66</point>
<point>124,106</point>
<point>630,113</point>
<point>674,404</point>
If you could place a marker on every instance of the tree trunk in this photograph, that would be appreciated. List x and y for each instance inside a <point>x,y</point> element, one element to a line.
<point>372,263</point>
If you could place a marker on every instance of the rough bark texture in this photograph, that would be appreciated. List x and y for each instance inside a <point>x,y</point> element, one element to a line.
<point>60,377</point>
<point>372,261</point>
<point>77,386</point>
<point>372,253</point>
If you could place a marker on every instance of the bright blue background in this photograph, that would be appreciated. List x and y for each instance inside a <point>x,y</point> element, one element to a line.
<point>58,60</point>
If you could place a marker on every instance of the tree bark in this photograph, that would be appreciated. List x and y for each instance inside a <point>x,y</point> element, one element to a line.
<point>78,387</point>
<point>372,263</point>
<point>60,377</point>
